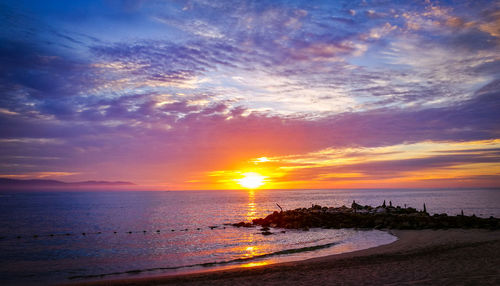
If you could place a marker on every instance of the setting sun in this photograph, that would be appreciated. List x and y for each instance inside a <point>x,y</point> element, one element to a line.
<point>251,180</point>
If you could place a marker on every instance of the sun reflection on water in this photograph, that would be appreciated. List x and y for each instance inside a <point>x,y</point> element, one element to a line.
<point>255,264</point>
<point>251,249</point>
<point>252,207</point>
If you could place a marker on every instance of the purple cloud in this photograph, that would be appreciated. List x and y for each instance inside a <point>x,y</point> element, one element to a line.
<point>199,87</point>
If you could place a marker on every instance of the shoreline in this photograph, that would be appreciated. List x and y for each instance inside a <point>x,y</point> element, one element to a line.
<point>422,257</point>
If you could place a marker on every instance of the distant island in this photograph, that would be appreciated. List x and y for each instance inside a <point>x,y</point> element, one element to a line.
<point>15,184</point>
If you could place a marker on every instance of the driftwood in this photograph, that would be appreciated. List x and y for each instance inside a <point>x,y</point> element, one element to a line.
<point>281,209</point>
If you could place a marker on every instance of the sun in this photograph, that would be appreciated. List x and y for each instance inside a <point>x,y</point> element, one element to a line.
<point>251,180</point>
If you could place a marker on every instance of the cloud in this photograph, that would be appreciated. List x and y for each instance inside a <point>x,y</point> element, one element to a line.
<point>213,85</point>
<point>216,137</point>
<point>425,161</point>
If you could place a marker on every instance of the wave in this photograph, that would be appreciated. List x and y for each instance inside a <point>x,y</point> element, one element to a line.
<point>211,264</point>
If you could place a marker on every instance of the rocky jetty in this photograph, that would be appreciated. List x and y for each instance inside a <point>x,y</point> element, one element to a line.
<point>358,216</point>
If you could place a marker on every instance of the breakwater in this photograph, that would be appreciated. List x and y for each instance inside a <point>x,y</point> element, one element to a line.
<point>358,216</point>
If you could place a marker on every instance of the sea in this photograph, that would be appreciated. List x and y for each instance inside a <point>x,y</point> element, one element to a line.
<point>64,237</point>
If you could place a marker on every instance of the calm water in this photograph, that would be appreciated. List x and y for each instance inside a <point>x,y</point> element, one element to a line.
<point>53,249</point>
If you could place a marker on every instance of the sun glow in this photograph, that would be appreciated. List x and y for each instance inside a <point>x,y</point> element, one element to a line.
<point>251,180</point>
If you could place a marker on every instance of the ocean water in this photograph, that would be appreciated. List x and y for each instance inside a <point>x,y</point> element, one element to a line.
<point>61,237</point>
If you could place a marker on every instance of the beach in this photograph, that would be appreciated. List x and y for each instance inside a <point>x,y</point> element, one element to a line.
<point>418,257</point>
<point>199,142</point>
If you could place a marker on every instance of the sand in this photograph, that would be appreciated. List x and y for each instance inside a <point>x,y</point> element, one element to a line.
<point>418,257</point>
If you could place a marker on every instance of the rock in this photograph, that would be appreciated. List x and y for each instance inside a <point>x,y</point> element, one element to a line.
<point>331,210</point>
<point>266,233</point>
<point>243,224</point>
<point>316,207</point>
<point>355,206</point>
<point>366,217</point>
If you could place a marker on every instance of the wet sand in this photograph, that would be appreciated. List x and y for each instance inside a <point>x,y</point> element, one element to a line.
<point>418,257</point>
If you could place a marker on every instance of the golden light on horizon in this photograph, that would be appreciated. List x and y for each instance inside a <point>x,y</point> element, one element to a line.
<point>252,206</point>
<point>251,180</point>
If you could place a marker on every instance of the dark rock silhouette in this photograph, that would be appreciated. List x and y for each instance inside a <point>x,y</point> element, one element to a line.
<point>243,224</point>
<point>368,217</point>
<point>355,206</point>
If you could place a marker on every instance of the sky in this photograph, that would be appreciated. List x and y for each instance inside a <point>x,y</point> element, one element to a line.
<point>188,95</point>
